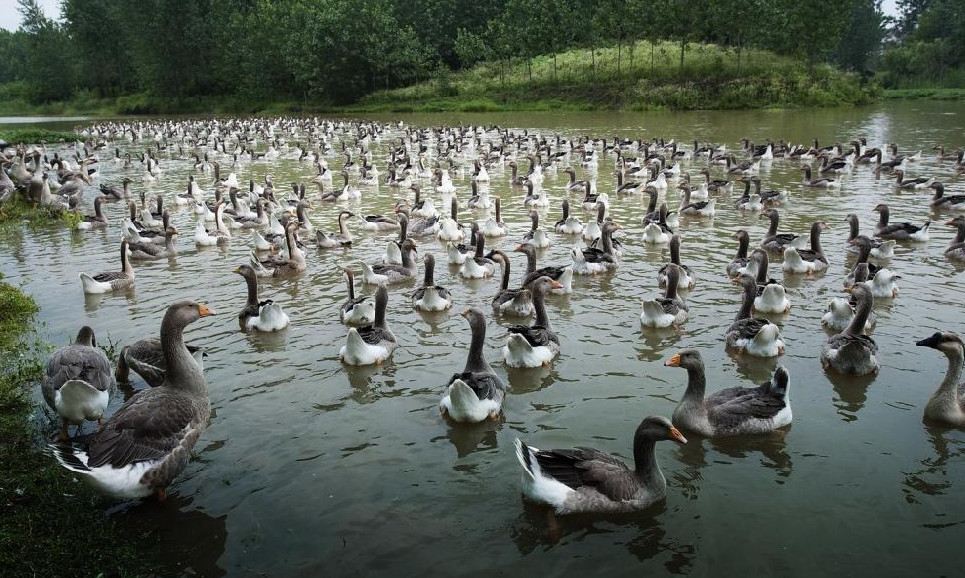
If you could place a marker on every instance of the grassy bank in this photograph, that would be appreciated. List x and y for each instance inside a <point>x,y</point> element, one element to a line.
<point>36,135</point>
<point>647,78</point>
<point>53,525</point>
<point>926,93</point>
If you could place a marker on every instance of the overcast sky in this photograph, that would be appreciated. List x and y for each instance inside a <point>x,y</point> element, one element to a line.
<point>10,17</point>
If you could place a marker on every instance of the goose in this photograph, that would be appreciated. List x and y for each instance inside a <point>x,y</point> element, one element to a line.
<point>494,226</point>
<point>749,202</point>
<point>95,221</point>
<point>771,294</point>
<point>774,241</point>
<point>536,236</point>
<point>822,183</point>
<point>864,245</point>
<point>478,266</point>
<point>188,197</point>
<point>389,274</point>
<point>371,344</point>
<point>568,225</point>
<point>687,278</point>
<point>883,284</point>
<point>851,351</point>
<point>591,261</point>
<point>696,208</point>
<point>418,227</point>
<point>355,311</point>
<point>151,250</point>
<point>669,310</point>
<point>898,231</point>
<point>879,249</point>
<point>753,335</point>
<point>943,156</point>
<point>477,393</point>
<point>807,260</point>
<point>457,254</point>
<point>769,197</point>
<point>78,381</point>
<point>535,196</point>
<point>563,275</point>
<point>732,411</point>
<point>535,345</point>
<point>379,223</point>
<point>345,193</point>
<point>479,199</point>
<point>220,236</point>
<point>431,297</point>
<point>717,186</point>
<point>445,186</point>
<point>481,175</point>
<point>627,188</point>
<point>393,249</point>
<point>256,315</point>
<point>517,302</point>
<point>947,404</point>
<point>450,229</point>
<point>740,260</point>
<point>911,184</point>
<point>743,168</point>
<point>146,444</point>
<point>343,238</point>
<point>275,266</point>
<point>593,230</point>
<point>940,201</point>
<point>655,234</point>
<point>956,248</point>
<point>146,358</point>
<point>575,185</point>
<point>113,280</point>
<point>585,480</point>
<point>423,207</point>
<point>839,315</point>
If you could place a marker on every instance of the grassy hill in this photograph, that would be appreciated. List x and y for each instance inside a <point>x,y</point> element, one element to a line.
<point>648,77</point>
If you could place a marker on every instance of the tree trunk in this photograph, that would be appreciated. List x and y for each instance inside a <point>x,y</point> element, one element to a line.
<point>683,45</point>
<point>529,69</point>
<point>593,63</point>
<point>619,54</point>
<point>554,65</point>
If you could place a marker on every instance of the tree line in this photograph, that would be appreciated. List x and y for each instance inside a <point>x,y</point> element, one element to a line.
<point>339,50</point>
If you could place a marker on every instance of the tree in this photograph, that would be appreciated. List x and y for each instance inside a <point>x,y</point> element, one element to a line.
<point>861,42</point>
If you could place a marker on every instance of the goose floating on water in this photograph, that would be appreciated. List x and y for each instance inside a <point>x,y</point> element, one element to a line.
<point>477,393</point>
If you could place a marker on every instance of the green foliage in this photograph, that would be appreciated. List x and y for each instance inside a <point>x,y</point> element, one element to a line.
<point>931,51</point>
<point>36,135</point>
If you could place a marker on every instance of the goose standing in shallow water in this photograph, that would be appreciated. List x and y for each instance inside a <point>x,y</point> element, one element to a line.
<point>807,260</point>
<point>259,315</point>
<point>731,411</point>
<point>372,344</point>
<point>669,310</point>
<point>517,302</point>
<point>898,231</point>
<point>585,480</point>
<point>431,297</point>
<point>947,404</point>
<point>851,351</point>
<point>146,444</point>
<point>78,381</point>
<point>477,393</point>
<point>113,280</point>
<point>753,335</point>
<point>537,344</point>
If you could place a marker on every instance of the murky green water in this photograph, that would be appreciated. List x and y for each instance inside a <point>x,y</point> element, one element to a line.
<point>309,467</point>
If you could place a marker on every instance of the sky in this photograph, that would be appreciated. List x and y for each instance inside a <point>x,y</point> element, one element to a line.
<point>10,17</point>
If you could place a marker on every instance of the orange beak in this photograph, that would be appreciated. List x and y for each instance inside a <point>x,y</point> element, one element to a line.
<point>556,285</point>
<point>677,436</point>
<point>204,311</point>
<point>465,312</point>
<point>674,361</point>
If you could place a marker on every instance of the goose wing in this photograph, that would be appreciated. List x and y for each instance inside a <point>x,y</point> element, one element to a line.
<point>730,407</point>
<point>484,384</point>
<point>536,335</point>
<point>586,467</point>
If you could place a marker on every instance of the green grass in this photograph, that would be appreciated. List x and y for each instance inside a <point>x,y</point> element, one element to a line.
<point>929,93</point>
<point>53,525</point>
<point>651,80</point>
<point>17,213</point>
<point>36,135</point>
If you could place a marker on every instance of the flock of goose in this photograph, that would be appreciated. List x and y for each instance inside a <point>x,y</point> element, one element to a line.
<point>436,175</point>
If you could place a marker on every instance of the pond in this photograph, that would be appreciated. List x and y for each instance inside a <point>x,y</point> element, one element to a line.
<point>309,466</point>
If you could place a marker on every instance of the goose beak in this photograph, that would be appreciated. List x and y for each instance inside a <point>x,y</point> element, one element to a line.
<point>204,311</point>
<point>238,270</point>
<point>736,279</point>
<point>677,436</point>
<point>465,312</point>
<point>556,285</point>
<point>674,361</point>
<point>853,241</point>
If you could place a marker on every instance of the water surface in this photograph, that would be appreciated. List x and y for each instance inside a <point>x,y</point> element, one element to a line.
<point>312,467</point>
